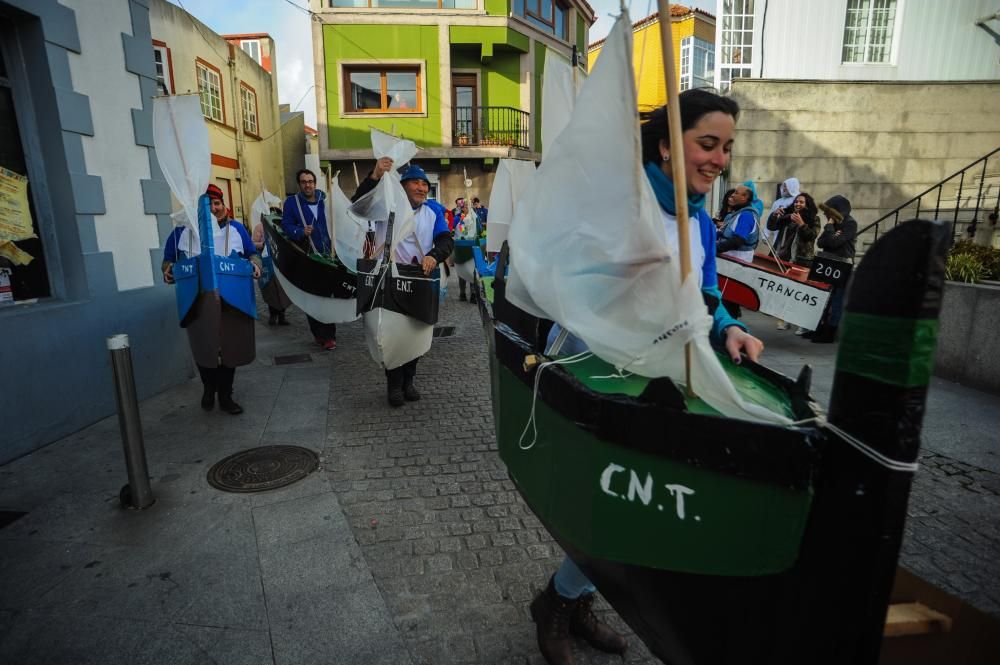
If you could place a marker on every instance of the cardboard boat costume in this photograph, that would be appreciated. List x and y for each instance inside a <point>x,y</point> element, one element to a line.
<point>215,299</point>
<point>740,526</point>
<point>398,302</point>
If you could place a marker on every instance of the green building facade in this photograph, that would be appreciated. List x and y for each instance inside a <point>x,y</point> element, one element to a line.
<point>461,78</point>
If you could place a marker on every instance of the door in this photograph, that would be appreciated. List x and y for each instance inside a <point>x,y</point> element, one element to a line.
<point>464,102</point>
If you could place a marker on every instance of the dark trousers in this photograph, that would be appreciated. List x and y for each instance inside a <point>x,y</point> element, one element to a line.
<point>403,375</point>
<point>322,330</point>
<point>461,286</point>
<point>218,379</point>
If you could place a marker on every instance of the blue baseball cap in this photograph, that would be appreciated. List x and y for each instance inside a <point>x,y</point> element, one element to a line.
<point>414,172</point>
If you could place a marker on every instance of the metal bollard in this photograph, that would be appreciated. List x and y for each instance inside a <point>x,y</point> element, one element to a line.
<point>137,494</point>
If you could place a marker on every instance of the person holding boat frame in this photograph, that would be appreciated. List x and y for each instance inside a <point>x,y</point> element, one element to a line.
<point>303,219</point>
<point>236,344</point>
<point>708,122</point>
<point>430,230</point>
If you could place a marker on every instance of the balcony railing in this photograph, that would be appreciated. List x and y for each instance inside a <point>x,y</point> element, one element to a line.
<point>491,126</point>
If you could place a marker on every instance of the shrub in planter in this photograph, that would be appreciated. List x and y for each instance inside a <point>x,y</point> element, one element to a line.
<point>964,268</point>
<point>987,257</point>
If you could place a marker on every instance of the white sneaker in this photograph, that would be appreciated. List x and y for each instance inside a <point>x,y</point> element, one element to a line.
<point>800,331</point>
<point>782,325</point>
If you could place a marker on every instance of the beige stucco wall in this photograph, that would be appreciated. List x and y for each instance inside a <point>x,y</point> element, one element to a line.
<point>259,157</point>
<point>878,144</point>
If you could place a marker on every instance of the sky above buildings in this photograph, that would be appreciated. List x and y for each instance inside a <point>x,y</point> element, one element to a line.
<point>287,21</point>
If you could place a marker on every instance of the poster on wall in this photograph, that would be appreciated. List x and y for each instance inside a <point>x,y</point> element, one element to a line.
<point>15,216</point>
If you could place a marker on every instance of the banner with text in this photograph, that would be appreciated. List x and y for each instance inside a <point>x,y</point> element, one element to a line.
<point>780,297</point>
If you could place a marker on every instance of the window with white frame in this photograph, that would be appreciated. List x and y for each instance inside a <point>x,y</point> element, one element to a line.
<point>252,48</point>
<point>248,99</point>
<point>736,51</point>
<point>210,88</point>
<point>161,60</point>
<point>697,63</point>
<point>868,31</point>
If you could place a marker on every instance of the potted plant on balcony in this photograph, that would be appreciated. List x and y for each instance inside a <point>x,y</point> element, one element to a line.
<point>463,139</point>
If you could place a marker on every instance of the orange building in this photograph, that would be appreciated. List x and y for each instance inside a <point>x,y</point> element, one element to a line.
<point>694,54</point>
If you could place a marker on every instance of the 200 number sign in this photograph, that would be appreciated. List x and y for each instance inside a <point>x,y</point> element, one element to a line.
<point>830,271</point>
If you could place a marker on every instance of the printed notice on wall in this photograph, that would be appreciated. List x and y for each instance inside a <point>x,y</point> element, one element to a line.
<point>15,216</point>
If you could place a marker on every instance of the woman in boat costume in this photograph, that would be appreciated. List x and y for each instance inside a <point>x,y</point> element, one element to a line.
<point>220,342</point>
<point>430,230</point>
<point>708,122</point>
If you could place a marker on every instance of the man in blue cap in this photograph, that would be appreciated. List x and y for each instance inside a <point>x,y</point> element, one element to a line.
<point>427,245</point>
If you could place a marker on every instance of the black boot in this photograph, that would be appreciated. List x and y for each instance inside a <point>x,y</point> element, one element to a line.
<point>226,403</point>
<point>272,316</point>
<point>208,381</point>
<point>552,614</point>
<point>394,380</point>
<point>282,321</point>
<point>410,392</point>
<point>583,623</point>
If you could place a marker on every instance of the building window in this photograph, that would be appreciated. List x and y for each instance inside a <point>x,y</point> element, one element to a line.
<point>697,63</point>
<point>408,4</point>
<point>164,68</point>
<point>248,99</point>
<point>868,31</point>
<point>23,273</point>
<point>382,89</point>
<point>252,48</point>
<point>736,53</point>
<point>210,88</point>
<point>551,16</point>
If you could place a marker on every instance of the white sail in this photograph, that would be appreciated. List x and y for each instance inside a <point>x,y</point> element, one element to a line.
<point>558,98</point>
<point>512,179</point>
<point>182,150</point>
<point>600,261</point>
<point>262,206</point>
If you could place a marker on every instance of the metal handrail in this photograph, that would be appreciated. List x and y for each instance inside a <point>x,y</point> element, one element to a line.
<point>491,125</point>
<point>894,213</point>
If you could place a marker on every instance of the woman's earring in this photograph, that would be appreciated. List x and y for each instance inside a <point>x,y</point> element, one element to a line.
<point>666,159</point>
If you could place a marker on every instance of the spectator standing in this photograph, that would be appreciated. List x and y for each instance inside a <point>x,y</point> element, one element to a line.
<point>797,229</point>
<point>787,191</point>
<point>837,242</point>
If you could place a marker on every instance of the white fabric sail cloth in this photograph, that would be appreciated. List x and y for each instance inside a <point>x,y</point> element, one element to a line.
<point>600,262</point>
<point>558,98</point>
<point>180,137</point>
<point>512,179</point>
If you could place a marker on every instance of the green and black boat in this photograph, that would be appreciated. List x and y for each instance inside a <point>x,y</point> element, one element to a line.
<point>727,541</point>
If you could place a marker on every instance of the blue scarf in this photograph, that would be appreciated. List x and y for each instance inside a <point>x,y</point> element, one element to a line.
<point>663,187</point>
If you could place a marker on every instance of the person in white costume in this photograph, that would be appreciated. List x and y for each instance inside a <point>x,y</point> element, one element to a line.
<point>428,245</point>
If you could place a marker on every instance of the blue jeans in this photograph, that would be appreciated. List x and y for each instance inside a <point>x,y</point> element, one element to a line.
<point>570,582</point>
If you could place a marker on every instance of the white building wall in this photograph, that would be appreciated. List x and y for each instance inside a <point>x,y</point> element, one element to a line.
<point>111,153</point>
<point>934,40</point>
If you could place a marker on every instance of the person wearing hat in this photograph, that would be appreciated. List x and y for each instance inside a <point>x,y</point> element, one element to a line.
<point>303,219</point>
<point>430,230</point>
<point>219,342</point>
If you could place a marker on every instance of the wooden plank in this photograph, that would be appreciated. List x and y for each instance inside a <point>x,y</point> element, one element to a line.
<point>914,619</point>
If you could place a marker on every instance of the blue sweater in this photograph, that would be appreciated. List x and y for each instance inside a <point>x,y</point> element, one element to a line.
<point>295,227</point>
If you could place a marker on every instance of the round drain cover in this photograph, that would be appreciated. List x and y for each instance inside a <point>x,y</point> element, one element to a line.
<point>261,469</point>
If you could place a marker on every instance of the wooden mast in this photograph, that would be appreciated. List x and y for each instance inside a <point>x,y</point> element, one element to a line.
<point>676,159</point>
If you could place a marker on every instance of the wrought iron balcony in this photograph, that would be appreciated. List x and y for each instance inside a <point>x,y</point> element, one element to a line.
<point>491,126</point>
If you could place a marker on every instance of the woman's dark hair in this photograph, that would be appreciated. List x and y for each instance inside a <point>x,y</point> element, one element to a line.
<point>694,104</point>
<point>811,208</point>
<point>724,208</point>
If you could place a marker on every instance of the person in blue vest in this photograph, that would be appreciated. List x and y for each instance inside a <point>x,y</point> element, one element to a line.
<point>430,230</point>
<point>740,227</point>
<point>303,219</point>
<point>219,344</point>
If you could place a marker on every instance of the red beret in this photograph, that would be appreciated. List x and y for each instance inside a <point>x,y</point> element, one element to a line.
<point>214,192</point>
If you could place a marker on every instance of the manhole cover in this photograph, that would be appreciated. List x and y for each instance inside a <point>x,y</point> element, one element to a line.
<point>444,331</point>
<point>262,469</point>
<point>291,360</point>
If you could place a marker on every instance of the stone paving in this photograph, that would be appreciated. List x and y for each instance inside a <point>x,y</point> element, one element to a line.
<point>454,551</point>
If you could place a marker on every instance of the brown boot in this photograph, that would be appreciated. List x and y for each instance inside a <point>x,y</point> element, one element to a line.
<point>583,623</point>
<point>551,612</point>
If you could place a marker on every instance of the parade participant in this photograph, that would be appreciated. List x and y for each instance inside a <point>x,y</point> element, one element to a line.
<point>787,191</point>
<point>272,293</point>
<point>738,235</point>
<point>708,122</point>
<point>303,219</point>
<point>430,230</point>
<point>235,344</point>
<point>837,241</point>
